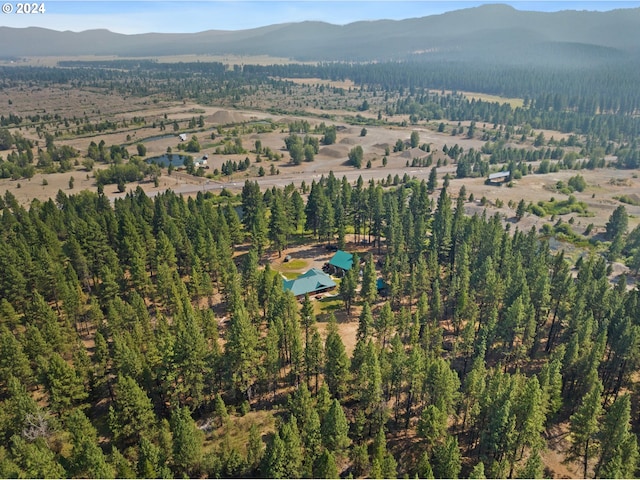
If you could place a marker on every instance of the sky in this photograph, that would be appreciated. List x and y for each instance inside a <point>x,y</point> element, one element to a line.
<point>186,16</point>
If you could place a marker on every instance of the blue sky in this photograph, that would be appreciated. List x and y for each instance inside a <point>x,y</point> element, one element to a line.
<point>184,16</point>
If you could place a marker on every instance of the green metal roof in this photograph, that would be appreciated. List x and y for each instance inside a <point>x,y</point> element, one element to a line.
<point>342,260</point>
<point>312,281</point>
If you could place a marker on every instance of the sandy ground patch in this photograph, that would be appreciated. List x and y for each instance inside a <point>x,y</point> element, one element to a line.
<point>225,117</point>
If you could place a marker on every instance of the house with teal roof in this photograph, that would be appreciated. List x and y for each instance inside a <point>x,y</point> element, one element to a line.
<point>341,262</point>
<point>312,282</point>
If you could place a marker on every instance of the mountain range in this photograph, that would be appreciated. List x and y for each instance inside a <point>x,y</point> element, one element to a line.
<point>497,33</point>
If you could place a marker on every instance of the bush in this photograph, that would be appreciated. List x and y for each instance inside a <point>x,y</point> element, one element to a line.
<point>142,150</point>
<point>628,200</point>
<point>577,183</point>
<point>120,173</point>
<point>538,210</point>
<point>589,229</point>
<point>355,156</point>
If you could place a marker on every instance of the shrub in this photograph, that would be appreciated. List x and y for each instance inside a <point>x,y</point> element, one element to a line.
<point>538,210</point>
<point>577,183</point>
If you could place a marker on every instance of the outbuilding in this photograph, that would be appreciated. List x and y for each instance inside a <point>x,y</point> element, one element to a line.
<point>340,263</point>
<point>498,177</point>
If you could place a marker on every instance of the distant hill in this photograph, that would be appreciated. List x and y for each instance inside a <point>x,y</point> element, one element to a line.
<point>497,33</point>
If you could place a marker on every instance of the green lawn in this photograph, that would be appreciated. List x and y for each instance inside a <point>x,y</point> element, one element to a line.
<point>296,264</point>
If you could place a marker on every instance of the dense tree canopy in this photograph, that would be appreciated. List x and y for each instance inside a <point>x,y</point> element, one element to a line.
<point>135,273</point>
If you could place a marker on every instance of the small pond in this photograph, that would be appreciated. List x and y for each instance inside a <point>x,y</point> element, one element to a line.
<point>167,159</point>
<point>158,137</point>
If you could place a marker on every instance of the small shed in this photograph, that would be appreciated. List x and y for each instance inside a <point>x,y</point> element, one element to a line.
<point>183,137</point>
<point>499,177</point>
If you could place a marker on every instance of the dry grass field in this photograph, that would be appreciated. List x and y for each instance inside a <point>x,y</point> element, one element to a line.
<point>309,99</point>
<point>603,184</point>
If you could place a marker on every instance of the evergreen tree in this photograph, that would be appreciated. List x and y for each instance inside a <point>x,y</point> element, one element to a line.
<point>278,223</point>
<point>311,438</point>
<point>298,211</point>
<point>293,448</point>
<point>478,471</point>
<point>369,384</point>
<point>187,441</point>
<point>618,445</point>
<point>584,427</point>
<point>530,416</point>
<point>87,459</point>
<point>189,355</point>
<point>336,365</point>
<point>533,467</point>
<point>432,425</point>
<point>424,467</point>
<point>274,460</point>
<point>16,408</point>
<point>65,387</point>
<point>255,448</point>
<point>447,459</point>
<point>335,429</point>
<point>325,466</point>
<point>315,356</point>
<point>520,210</point>
<point>383,465</point>
<point>121,464</point>
<point>383,324</point>
<point>348,287</point>
<point>618,222</point>
<point>36,459</point>
<point>149,464</point>
<point>432,183</point>
<point>220,409</point>
<point>240,352</point>
<point>132,414</point>
<point>13,361</point>
<point>369,290</point>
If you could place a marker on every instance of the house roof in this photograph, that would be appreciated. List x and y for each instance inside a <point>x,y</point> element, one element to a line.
<point>312,281</point>
<point>342,260</point>
<point>493,176</point>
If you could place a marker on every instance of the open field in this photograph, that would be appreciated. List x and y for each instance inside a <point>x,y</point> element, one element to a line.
<point>603,184</point>
<point>514,102</point>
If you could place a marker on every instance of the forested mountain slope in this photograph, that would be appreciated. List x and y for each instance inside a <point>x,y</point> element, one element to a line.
<point>487,33</point>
